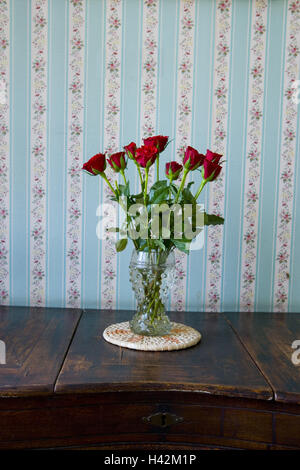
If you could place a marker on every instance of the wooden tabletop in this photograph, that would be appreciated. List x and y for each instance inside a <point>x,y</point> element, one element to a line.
<point>269,337</point>
<point>36,341</point>
<point>218,365</point>
<point>63,351</point>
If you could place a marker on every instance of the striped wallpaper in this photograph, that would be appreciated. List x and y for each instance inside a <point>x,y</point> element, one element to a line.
<point>82,76</point>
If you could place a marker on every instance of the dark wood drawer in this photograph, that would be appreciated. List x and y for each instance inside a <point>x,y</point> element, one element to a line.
<point>103,424</point>
<point>87,420</point>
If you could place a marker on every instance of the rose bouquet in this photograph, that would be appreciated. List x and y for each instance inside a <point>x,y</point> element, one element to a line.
<point>159,218</point>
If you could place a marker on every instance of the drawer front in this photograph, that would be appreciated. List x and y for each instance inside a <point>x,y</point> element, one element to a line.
<point>145,422</point>
<point>114,419</point>
<point>175,419</point>
<point>288,429</point>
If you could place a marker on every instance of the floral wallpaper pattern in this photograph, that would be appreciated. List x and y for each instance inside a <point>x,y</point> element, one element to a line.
<point>253,152</point>
<point>4,153</point>
<point>218,142</point>
<point>287,160</point>
<point>78,77</point>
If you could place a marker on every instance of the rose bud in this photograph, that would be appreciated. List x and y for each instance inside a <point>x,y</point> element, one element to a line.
<point>146,155</point>
<point>192,159</point>
<point>213,157</point>
<point>117,161</point>
<point>130,150</point>
<point>95,165</point>
<point>158,141</point>
<point>210,170</point>
<point>173,170</point>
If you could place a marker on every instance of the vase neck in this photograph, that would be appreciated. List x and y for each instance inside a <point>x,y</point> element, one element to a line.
<point>152,258</point>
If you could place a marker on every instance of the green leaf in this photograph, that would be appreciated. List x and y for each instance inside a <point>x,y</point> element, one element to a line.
<point>187,197</point>
<point>158,196</point>
<point>174,189</point>
<point>155,190</point>
<point>124,190</point>
<point>212,219</point>
<point>121,244</point>
<point>159,185</point>
<point>190,184</point>
<point>138,198</point>
<point>182,245</point>
<point>113,229</point>
<point>159,243</point>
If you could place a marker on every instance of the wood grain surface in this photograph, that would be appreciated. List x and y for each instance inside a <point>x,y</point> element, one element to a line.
<point>36,340</point>
<point>268,337</point>
<point>218,365</point>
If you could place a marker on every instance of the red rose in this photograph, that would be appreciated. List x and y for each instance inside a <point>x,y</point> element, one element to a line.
<point>117,161</point>
<point>192,159</point>
<point>210,170</point>
<point>158,141</point>
<point>96,164</point>
<point>146,155</point>
<point>173,170</point>
<point>130,149</point>
<point>213,157</point>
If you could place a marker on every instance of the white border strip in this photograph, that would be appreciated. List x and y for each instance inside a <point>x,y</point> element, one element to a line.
<point>75,151</point>
<point>214,238</point>
<point>4,153</point>
<point>111,142</point>
<point>253,154</point>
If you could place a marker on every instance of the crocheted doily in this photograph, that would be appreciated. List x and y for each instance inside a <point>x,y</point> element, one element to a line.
<point>180,337</point>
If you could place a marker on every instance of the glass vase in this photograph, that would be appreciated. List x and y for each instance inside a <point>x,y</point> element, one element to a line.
<point>152,275</point>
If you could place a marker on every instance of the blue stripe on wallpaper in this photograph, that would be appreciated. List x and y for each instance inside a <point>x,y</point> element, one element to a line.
<point>20,80</point>
<point>84,201</point>
<point>56,152</point>
<point>200,129</point>
<point>235,153</point>
<point>131,47</point>
<point>95,56</point>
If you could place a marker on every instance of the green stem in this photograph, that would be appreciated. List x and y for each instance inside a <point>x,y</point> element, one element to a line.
<point>140,175</point>
<point>106,180</point>
<point>185,173</point>
<point>203,183</point>
<point>124,177</point>
<point>119,201</point>
<point>146,185</point>
<point>145,202</point>
<point>157,168</point>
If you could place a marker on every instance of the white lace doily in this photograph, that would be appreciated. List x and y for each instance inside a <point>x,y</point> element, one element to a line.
<point>180,337</point>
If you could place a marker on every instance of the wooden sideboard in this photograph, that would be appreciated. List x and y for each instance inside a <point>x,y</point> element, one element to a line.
<point>64,386</point>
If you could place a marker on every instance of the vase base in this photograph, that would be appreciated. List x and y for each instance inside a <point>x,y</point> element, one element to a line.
<point>142,325</point>
<point>180,337</point>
